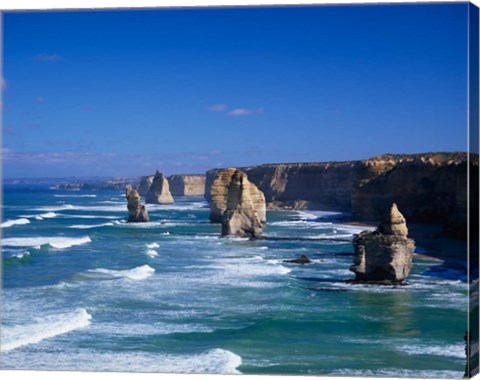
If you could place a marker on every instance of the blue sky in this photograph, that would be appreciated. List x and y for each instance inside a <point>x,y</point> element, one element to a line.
<point>110,93</point>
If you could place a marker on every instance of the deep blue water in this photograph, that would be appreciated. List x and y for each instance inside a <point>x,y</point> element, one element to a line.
<point>83,290</point>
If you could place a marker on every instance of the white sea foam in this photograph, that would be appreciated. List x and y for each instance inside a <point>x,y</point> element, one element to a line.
<point>138,273</point>
<point>54,241</point>
<point>449,350</point>
<point>55,208</point>
<point>45,327</point>
<point>214,361</point>
<point>48,215</point>
<point>87,226</point>
<point>353,229</point>
<point>301,223</point>
<point>181,207</point>
<point>398,373</point>
<point>21,255</point>
<point>76,216</point>
<point>153,245</point>
<point>10,223</point>
<point>251,267</point>
<point>316,214</point>
<point>75,195</point>
<point>152,252</point>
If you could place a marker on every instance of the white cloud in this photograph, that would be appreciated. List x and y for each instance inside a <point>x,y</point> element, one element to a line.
<point>245,111</point>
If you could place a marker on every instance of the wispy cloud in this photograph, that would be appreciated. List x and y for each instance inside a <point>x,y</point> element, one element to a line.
<point>236,111</point>
<point>40,99</point>
<point>45,158</point>
<point>44,57</point>
<point>3,84</point>
<point>218,108</point>
<point>245,111</point>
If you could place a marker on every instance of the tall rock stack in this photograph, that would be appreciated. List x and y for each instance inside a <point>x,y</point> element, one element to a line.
<point>384,255</point>
<point>237,204</point>
<point>159,192</point>
<point>137,213</point>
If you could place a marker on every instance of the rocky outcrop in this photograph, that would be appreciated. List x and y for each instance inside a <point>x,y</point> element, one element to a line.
<point>303,259</point>
<point>144,185</point>
<point>237,204</point>
<point>385,254</point>
<point>159,192</point>
<point>428,187</point>
<point>187,185</point>
<point>137,213</point>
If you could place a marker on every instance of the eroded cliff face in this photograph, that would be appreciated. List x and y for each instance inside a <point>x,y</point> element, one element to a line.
<point>428,188</point>
<point>321,186</point>
<point>185,185</point>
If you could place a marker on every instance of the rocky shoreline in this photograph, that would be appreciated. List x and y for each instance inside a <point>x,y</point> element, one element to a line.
<point>429,188</point>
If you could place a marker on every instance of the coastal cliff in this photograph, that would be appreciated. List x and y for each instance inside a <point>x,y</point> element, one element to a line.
<point>187,185</point>
<point>325,186</point>
<point>427,187</point>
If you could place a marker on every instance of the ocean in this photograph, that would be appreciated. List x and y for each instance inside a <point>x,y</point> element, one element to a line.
<point>83,290</point>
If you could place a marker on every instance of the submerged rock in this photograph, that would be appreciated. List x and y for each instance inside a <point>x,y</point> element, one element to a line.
<point>385,254</point>
<point>237,204</point>
<point>159,192</point>
<point>137,213</point>
<point>299,260</point>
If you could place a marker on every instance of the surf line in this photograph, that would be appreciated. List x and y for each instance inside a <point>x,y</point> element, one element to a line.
<point>303,238</point>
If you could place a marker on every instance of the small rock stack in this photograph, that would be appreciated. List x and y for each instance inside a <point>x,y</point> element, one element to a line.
<point>137,213</point>
<point>384,255</point>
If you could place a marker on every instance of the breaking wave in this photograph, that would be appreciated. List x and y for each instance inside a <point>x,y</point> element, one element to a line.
<point>45,327</point>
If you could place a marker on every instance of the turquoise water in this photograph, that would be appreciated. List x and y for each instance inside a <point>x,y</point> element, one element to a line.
<point>83,290</point>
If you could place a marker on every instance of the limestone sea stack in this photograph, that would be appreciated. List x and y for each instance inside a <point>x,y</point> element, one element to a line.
<point>137,213</point>
<point>384,255</point>
<point>159,192</point>
<point>237,204</point>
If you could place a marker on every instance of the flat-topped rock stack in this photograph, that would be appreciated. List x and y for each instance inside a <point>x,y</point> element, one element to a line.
<point>159,192</point>
<point>137,213</point>
<point>237,204</point>
<point>384,255</point>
